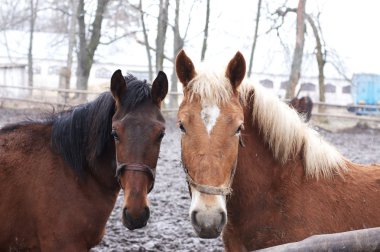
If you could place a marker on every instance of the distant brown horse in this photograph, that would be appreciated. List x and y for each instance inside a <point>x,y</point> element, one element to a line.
<point>57,175</point>
<point>303,106</point>
<point>289,183</point>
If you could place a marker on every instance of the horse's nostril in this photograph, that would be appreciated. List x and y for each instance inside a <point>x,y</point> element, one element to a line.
<point>223,219</point>
<point>146,213</point>
<point>125,212</point>
<point>133,222</point>
<point>194,217</point>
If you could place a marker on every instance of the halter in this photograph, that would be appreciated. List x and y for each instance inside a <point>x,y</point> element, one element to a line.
<point>121,167</point>
<point>207,189</point>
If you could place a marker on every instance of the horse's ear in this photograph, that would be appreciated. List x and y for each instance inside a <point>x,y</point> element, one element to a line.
<point>159,88</point>
<point>236,70</point>
<point>184,68</point>
<point>118,85</point>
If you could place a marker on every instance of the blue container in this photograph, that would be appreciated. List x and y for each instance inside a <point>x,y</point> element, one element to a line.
<point>366,89</point>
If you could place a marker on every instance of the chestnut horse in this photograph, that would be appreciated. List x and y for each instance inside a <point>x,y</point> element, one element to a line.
<point>289,183</point>
<point>57,175</point>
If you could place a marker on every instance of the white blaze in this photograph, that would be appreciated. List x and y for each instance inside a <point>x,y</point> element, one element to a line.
<point>210,114</point>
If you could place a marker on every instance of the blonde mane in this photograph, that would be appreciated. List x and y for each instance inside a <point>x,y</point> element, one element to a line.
<point>210,86</point>
<point>288,136</point>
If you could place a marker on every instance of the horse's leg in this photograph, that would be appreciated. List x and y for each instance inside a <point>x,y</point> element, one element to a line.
<point>232,242</point>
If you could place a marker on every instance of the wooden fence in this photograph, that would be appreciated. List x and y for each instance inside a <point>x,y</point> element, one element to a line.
<point>62,98</point>
<point>351,241</point>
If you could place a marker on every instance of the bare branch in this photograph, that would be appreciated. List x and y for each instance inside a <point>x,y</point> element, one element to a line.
<point>120,37</point>
<point>154,49</point>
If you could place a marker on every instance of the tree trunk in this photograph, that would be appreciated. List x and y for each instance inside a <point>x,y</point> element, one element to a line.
<point>161,34</point>
<point>33,17</point>
<point>72,41</point>
<point>205,37</point>
<point>320,59</point>
<point>146,42</point>
<point>178,45</point>
<point>87,48</point>
<point>295,73</point>
<point>254,38</point>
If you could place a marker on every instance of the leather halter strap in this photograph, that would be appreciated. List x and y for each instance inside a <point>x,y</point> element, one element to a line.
<point>207,189</point>
<point>136,167</point>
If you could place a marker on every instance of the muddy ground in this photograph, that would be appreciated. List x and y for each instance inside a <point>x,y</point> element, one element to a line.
<point>169,228</point>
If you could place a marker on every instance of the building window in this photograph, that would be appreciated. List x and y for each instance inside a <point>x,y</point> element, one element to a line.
<point>307,86</point>
<point>267,83</point>
<point>330,88</point>
<point>346,89</point>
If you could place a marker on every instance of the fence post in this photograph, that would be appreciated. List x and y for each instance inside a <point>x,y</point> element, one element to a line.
<point>64,83</point>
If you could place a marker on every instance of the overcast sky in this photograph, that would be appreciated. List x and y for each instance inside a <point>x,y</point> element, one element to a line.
<point>350,27</point>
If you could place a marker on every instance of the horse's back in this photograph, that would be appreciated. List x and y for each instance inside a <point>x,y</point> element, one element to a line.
<point>38,194</point>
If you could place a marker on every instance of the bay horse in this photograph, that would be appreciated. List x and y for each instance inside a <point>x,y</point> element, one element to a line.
<point>57,175</point>
<point>303,106</point>
<point>281,184</point>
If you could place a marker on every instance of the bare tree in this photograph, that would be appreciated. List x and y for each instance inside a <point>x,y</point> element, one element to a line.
<point>33,17</point>
<point>177,46</point>
<point>13,14</point>
<point>146,41</point>
<point>72,40</point>
<point>162,26</point>
<point>87,47</point>
<point>295,72</point>
<point>205,34</point>
<point>321,58</point>
<point>320,49</point>
<point>254,38</point>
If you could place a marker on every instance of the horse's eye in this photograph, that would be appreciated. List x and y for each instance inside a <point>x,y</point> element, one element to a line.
<point>114,134</point>
<point>181,127</point>
<point>238,131</point>
<point>162,134</point>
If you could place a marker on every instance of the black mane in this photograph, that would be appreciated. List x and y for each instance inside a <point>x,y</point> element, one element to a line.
<point>81,134</point>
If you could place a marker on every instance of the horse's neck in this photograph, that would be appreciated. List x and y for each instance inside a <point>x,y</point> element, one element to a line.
<point>257,166</point>
<point>103,170</point>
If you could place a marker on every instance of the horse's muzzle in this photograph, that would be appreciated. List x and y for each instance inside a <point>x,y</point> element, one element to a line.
<point>132,222</point>
<point>208,226</point>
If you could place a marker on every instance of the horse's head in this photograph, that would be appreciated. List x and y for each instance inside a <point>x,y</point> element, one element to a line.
<point>138,128</point>
<point>210,118</point>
